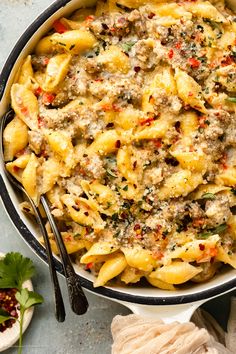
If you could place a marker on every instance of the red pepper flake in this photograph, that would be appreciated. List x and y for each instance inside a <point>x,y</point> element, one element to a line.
<point>21,152</point>
<point>194,63</point>
<point>170,54</point>
<point>68,238</point>
<point>157,142</point>
<point>106,107</point>
<point>48,98</point>
<point>40,122</point>
<point>89,266</point>
<point>88,230</point>
<point>59,27</point>
<point>213,251</point>
<point>24,110</point>
<point>151,15</point>
<point>178,45</point>
<point>202,122</point>
<point>43,153</point>
<point>116,108</point>
<point>98,80</point>
<point>89,18</point>
<point>201,247</point>
<point>191,148</point>
<point>38,91</point>
<point>147,121</point>
<point>227,61</point>
<point>16,169</point>
<point>137,227</point>
<point>137,69</point>
<point>224,161</point>
<point>157,254</point>
<point>46,61</point>
<point>190,94</point>
<point>117,144</point>
<point>8,303</point>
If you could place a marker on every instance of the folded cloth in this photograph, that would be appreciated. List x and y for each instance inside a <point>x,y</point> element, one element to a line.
<point>134,334</point>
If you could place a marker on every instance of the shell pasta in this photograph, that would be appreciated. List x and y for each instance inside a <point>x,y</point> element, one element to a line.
<point>125,117</point>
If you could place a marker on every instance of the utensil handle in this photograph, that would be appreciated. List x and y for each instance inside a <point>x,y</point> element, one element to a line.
<point>168,313</point>
<point>59,304</point>
<point>78,300</point>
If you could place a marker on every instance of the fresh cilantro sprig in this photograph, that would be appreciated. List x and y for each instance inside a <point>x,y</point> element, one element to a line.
<point>14,271</point>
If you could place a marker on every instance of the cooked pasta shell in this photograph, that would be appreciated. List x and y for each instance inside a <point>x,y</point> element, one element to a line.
<point>180,183</point>
<point>56,71</point>
<point>110,269</point>
<point>227,177</point>
<point>131,275</point>
<point>204,9</point>
<point>156,130</point>
<point>74,42</point>
<point>44,46</point>
<point>50,173</point>
<point>72,244</point>
<point>114,60</point>
<point>189,90</point>
<point>191,160</point>
<point>226,257</point>
<point>83,212</point>
<point>160,284</point>
<point>139,258</point>
<point>176,273</point>
<point>17,166</point>
<point>208,188</point>
<point>29,178</point>
<point>105,143</point>
<point>25,105</point>
<point>26,71</point>
<point>98,249</point>
<point>60,143</point>
<point>15,138</point>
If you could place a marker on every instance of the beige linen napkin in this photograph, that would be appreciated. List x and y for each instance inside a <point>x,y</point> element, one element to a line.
<point>134,334</point>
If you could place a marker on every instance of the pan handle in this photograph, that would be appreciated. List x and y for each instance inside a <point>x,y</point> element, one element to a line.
<point>168,313</point>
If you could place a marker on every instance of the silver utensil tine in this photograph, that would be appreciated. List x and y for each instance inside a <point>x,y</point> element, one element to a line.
<point>59,304</point>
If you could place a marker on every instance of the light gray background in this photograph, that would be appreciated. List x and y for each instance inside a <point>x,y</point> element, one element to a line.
<point>89,334</point>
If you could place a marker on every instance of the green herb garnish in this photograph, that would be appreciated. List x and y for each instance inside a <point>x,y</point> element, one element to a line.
<point>14,271</point>
<point>231,99</point>
<point>110,173</point>
<point>127,46</point>
<point>217,230</point>
<point>208,196</point>
<point>233,190</point>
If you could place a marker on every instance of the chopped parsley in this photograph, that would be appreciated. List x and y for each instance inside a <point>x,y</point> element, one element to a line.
<point>127,46</point>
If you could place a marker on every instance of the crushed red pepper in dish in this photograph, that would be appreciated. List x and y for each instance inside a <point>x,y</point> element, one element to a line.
<point>8,303</point>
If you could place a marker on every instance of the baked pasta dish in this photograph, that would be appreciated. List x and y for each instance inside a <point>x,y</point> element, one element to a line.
<point>125,119</point>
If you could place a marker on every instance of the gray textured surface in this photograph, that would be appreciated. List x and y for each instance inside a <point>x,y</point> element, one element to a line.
<point>88,334</point>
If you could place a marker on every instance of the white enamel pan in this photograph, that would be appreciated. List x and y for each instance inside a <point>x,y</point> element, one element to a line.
<point>178,305</point>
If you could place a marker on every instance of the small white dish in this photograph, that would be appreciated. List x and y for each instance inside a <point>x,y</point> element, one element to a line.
<point>9,337</point>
